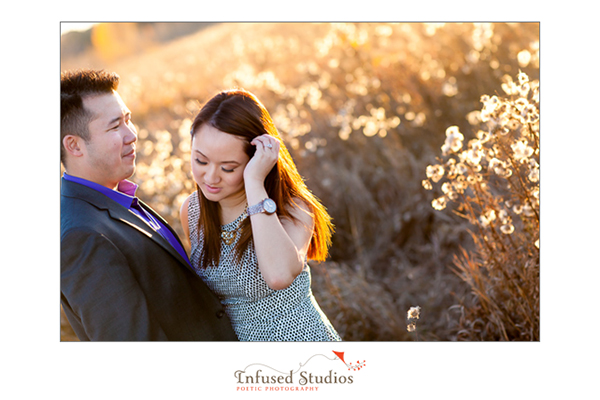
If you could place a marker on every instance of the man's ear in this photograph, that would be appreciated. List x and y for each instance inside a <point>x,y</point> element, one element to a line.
<point>72,145</point>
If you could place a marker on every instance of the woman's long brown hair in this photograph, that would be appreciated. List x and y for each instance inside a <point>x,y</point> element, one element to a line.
<point>240,113</point>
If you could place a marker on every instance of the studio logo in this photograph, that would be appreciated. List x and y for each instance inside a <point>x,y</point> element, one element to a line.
<point>323,371</point>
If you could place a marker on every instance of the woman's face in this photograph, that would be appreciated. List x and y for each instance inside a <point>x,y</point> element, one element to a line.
<point>218,162</point>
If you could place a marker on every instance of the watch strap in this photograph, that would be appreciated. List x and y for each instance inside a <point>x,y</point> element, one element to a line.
<point>255,209</point>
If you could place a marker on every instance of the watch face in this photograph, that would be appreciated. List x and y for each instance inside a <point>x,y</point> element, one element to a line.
<point>269,206</point>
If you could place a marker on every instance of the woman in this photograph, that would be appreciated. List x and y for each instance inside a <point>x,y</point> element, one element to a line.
<point>253,223</point>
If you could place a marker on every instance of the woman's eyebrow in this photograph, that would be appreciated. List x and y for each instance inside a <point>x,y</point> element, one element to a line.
<point>222,162</point>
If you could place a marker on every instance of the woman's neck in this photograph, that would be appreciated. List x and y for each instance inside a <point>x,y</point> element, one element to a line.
<point>232,208</point>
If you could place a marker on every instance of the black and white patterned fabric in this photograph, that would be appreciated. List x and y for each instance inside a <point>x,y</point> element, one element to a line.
<point>257,312</point>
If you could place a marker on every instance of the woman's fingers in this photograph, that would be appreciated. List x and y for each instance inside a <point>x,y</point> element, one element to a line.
<point>265,158</point>
<point>267,142</point>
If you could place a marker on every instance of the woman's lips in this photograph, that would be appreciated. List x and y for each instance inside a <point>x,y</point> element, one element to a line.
<point>211,189</point>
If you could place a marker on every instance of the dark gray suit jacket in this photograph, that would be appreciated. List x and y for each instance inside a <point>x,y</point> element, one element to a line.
<point>120,280</point>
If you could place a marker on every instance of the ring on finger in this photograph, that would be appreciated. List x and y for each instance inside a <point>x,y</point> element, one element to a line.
<point>269,145</point>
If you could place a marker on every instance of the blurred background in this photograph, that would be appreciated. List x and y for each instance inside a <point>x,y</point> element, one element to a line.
<point>363,109</point>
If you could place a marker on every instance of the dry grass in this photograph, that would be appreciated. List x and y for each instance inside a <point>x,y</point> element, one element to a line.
<point>363,109</point>
<point>494,179</point>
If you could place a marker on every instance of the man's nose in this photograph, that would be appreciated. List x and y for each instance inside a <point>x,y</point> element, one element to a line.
<point>130,134</point>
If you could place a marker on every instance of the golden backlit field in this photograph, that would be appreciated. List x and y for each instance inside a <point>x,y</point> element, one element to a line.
<point>365,110</point>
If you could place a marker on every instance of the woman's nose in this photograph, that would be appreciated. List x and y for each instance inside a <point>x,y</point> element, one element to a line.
<point>212,175</point>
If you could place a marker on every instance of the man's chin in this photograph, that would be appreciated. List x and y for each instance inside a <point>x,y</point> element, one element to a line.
<point>130,172</point>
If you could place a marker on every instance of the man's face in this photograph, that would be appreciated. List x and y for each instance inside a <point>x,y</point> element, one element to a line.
<point>109,155</point>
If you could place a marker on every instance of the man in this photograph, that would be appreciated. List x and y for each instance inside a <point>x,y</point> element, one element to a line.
<point>124,272</point>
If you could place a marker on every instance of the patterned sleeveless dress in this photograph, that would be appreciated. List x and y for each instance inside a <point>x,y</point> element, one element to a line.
<point>257,312</point>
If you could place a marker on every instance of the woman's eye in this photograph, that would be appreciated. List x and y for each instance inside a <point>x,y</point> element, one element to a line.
<point>227,170</point>
<point>200,162</point>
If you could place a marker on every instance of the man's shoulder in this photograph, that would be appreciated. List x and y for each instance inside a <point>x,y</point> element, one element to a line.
<point>78,214</point>
<point>81,207</point>
<point>76,198</point>
<point>79,200</point>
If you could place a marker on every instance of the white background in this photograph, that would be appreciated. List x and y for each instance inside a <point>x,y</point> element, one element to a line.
<point>37,365</point>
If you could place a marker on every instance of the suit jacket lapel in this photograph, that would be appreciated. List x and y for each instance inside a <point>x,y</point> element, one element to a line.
<point>122,214</point>
<point>128,217</point>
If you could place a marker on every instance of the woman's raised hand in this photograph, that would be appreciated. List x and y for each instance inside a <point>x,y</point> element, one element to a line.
<point>263,161</point>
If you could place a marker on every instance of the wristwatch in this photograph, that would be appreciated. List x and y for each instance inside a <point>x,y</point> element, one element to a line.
<point>267,206</point>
